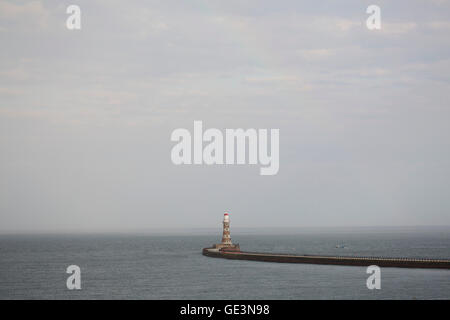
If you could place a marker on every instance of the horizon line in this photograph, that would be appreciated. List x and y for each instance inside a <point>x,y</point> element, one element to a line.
<point>181,230</point>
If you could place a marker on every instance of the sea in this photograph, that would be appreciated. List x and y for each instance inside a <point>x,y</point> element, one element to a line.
<point>171,266</point>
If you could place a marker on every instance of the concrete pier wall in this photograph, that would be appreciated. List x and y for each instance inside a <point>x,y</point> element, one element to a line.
<point>330,260</point>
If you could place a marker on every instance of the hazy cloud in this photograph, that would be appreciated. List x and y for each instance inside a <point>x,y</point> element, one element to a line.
<point>86,116</point>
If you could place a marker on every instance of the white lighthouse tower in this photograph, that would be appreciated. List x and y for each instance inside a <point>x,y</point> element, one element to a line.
<point>226,238</point>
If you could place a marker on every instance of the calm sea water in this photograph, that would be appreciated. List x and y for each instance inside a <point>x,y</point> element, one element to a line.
<point>172,267</point>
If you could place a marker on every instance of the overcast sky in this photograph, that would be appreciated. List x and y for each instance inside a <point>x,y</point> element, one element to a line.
<point>86,116</point>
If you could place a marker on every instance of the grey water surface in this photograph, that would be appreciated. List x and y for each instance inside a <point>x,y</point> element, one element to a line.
<point>172,267</point>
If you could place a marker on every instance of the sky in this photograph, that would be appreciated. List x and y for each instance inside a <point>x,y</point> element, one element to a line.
<point>86,115</point>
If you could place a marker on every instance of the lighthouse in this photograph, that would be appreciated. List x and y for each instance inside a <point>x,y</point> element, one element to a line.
<point>226,243</point>
<point>226,238</point>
